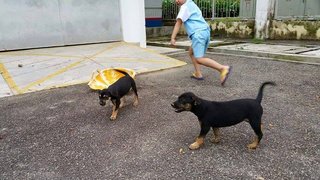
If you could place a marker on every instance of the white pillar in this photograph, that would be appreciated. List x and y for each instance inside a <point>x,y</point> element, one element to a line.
<point>264,14</point>
<point>133,21</point>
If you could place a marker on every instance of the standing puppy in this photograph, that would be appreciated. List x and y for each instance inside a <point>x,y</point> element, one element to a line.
<point>222,114</point>
<point>116,91</point>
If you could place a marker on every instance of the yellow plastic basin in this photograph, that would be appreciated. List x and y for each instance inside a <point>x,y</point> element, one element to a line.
<point>104,78</point>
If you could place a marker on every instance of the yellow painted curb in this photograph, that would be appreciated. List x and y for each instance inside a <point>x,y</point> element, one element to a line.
<point>7,77</point>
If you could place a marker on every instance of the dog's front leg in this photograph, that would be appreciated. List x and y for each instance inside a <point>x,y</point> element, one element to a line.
<point>115,108</point>
<point>200,139</point>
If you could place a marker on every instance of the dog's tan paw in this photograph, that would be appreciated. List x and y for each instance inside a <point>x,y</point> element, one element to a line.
<point>135,103</point>
<point>112,118</point>
<point>252,146</point>
<point>215,140</point>
<point>194,146</point>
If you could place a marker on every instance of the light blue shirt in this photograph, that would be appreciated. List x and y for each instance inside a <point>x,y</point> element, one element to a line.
<point>192,18</point>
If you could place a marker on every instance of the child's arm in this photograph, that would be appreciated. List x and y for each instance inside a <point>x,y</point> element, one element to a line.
<point>175,31</point>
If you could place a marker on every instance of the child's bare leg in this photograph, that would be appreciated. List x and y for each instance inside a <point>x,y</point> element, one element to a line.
<point>212,63</point>
<point>196,65</point>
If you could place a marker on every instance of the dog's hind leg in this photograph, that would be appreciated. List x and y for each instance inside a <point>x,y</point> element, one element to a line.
<point>257,127</point>
<point>216,135</point>
<point>115,109</point>
<point>200,139</point>
<point>122,102</point>
<point>136,101</point>
<point>134,88</point>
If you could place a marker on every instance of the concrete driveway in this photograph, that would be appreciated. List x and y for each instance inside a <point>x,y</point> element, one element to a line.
<point>65,134</point>
<point>32,70</point>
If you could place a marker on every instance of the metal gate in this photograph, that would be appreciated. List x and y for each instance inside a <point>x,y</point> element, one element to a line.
<point>248,9</point>
<point>43,23</point>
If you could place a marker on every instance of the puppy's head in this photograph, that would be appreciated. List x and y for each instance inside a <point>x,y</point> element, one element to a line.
<point>185,102</point>
<point>104,95</point>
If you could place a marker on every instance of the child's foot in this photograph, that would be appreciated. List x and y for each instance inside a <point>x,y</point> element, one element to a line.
<point>225,74</point>
<point>193,76</point>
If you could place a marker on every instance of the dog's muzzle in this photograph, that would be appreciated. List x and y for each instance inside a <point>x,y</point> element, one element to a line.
<point>177,108</point>
<point>102,103</point>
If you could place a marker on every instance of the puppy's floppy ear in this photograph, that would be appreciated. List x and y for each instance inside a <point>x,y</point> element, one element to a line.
<point>196,100</point>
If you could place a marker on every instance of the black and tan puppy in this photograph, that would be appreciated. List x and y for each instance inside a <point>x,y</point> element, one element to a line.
<point>215,115</point>
<point>116,91</point>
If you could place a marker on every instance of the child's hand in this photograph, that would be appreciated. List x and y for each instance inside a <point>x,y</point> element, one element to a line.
<point>173,42</point>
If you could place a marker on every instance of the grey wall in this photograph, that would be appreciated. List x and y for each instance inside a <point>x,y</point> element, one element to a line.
<point>44,23</point>
<point>285,9</point>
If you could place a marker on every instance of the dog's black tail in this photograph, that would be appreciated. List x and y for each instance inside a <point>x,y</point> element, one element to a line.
<point>260,94</point>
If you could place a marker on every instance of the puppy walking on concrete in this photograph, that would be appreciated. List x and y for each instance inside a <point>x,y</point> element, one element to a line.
<point>116,91</point>
<point>222,114</point>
